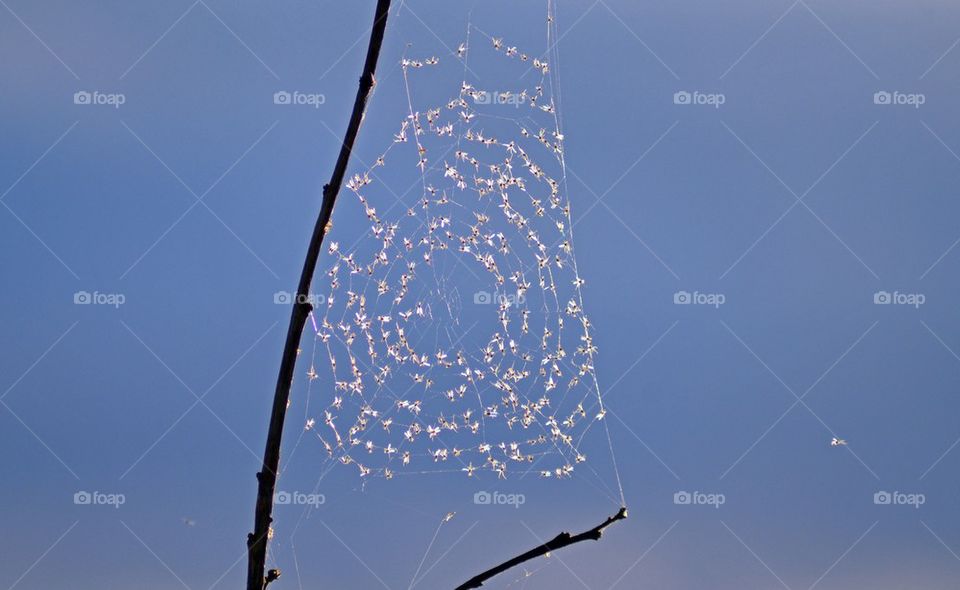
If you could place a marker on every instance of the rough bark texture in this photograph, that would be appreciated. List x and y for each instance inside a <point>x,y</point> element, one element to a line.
<point>267,477</point>
<point>560,541</point>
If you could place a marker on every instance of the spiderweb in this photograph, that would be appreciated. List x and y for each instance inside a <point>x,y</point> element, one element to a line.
<point>451,336</point>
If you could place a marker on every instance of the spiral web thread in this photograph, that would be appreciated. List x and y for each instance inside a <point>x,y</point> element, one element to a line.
<point>451,336</point>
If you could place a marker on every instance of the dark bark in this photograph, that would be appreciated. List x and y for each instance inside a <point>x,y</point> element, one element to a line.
<point>560,541</point>
<point>267,477</point>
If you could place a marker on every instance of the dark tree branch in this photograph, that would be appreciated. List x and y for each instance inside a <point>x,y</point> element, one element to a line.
<point>559,542</point>
<point>267,477</point>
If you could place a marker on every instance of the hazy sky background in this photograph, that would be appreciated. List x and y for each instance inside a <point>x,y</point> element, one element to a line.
<point>693,198</point>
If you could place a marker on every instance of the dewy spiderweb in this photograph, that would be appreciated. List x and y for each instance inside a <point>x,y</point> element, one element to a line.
<point>452,335</point>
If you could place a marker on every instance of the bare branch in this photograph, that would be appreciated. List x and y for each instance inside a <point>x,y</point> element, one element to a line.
<point>559,542</point>
<point>267,477</point>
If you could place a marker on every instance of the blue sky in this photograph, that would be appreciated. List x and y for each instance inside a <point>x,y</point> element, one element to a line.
<point>802,199</point>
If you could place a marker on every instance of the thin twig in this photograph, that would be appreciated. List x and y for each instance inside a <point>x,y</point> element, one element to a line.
<point>267,477</point>
<point>559,542</point>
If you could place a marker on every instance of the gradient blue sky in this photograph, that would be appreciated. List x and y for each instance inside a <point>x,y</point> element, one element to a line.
<point>692,198</point>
